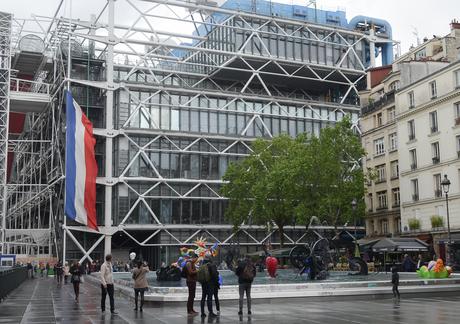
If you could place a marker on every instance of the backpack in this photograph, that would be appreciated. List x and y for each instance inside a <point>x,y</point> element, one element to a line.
<point>183,272</point>
<point>203,275</point>
<point>248,273</point>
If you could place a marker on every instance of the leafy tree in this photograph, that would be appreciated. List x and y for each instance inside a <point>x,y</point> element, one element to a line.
<point>288,180</point>
<point>259,187</point>
<point>335,177</point>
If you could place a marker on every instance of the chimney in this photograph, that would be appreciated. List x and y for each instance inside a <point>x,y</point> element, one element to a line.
<point>454,24</point>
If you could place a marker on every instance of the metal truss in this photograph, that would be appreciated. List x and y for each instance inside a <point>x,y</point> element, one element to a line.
<point>5,72</point>
<point>215,54</point>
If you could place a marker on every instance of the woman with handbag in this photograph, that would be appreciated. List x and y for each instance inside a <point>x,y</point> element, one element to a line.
<point>75,279</point>
<point>140,283</point>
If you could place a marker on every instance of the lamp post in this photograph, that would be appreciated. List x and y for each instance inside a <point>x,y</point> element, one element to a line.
<point>353,207</point>
<point>445,183</point>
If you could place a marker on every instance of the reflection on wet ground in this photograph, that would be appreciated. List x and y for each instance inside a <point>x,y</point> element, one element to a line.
<point>43,301</point>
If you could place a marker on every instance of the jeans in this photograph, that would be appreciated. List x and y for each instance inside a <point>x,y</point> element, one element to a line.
<point>76,289</point>
<point>245,287</point>
<point>215,294</point>
<point>395,291</point>
<point>191,295</point>
<point>206,295</point>
<point>138,291</point>
<point>109,290</point>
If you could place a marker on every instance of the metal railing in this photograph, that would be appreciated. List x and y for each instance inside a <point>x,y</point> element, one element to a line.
<point>22,85</point>
<point>10,279</point>
<point>385,99</point>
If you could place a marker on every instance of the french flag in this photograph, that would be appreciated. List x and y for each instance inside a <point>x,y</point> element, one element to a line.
<point>80,166</point>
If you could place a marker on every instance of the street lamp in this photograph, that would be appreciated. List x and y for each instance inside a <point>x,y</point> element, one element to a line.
<point>445,183</point>
<point>353,207</point>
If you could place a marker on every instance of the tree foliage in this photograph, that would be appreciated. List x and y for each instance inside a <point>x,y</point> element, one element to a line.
<point>287,181</point>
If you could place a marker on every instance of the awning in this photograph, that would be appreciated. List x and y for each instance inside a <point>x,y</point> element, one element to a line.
<point>367,244</point>
<point>400,245</point>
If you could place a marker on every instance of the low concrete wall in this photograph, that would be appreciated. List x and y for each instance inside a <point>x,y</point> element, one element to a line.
<point>10,279</point>
<point>314,291</point>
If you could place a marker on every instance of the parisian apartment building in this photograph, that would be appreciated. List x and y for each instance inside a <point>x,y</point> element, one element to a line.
<point>380,126</point>
<point>428,125</point>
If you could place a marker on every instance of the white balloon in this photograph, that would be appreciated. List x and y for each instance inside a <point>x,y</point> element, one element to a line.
<point>132,255</point>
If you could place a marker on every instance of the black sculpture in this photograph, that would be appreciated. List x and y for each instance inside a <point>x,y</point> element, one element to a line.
<point>316,261</point>
<point>168,273</point>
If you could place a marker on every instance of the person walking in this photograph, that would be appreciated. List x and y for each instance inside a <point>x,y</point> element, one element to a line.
<point>395,282</point>
<point>47,267</point>
<point>206,277</point>
<point>30,270</point>
<point>75,279</point>
<point>107,284</point>
<point>140,283</point>
<point>246,273</point>
<point>66,272</point>
<point>59,272</point>
<point>191,277</point>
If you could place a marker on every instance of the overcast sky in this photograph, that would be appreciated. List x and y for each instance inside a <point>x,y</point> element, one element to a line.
<point>427,17</point>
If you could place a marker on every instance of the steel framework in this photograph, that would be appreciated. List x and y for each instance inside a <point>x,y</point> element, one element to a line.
<point>174,96</point>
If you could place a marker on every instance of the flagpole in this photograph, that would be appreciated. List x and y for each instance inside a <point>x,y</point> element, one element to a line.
<point>69,69</point>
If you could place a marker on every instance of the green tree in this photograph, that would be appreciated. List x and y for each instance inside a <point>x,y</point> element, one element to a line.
<point>286,181</point>
<point>334,177</point>
<point>259,187</point>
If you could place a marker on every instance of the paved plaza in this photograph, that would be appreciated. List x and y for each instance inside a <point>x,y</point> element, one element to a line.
<point>42,301</point>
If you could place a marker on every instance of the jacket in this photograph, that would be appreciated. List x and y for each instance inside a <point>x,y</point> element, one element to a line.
<point>395,278</point>
<point>140,277</point>
<point>106,274</point>
<point>191,272</point>
<point>213,273</point>
<point>239,271</point>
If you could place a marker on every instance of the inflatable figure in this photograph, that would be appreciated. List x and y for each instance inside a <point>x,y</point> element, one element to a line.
<point>171,273</point>
<point>272,264</point>
<point>435,270</point>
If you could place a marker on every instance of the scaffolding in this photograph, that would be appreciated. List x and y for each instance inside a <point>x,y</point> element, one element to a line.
<point>174,96</point>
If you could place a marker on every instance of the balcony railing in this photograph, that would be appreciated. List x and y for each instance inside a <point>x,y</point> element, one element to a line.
<point>387,98</point>
<point>435,159</point>
<point>22,85</point>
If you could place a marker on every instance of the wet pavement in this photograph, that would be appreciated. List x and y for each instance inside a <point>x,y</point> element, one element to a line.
<point>43,301</point>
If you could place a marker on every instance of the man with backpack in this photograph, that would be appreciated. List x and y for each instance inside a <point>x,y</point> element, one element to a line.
<point>207,276</point>
<point>246,272</point>
<point>189,272</point>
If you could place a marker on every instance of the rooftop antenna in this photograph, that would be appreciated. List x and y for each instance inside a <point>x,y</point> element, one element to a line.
<point>415,33</point>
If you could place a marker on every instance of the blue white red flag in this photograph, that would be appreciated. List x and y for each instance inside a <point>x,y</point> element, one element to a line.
<point>81,166</point>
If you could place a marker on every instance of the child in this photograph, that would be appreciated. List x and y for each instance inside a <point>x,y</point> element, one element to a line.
<point>395,282</point>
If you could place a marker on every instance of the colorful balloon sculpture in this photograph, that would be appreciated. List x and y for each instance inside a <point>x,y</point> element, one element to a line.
<point>200,249</point>
<point>272,264</point>
<point>434,270</point>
